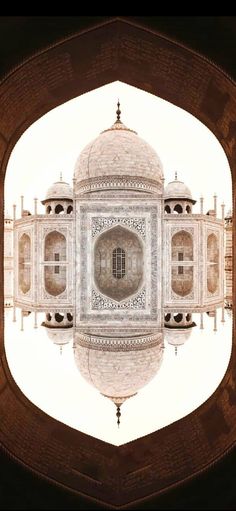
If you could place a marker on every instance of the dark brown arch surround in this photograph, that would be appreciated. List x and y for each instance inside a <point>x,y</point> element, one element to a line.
<point>121,51</point>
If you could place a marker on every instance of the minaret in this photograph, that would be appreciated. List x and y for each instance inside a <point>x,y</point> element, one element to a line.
<point>8,261</point>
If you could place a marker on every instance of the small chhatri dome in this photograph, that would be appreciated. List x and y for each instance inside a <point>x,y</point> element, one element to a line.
<point>118,151</point>
<point>59,190</point>
<point>177,190</point>
<point>177,336</point>
<point>59,335</point>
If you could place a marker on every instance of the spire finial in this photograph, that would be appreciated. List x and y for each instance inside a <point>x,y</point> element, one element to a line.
<point>118,112</point>
<point>176,176</point>
<point>60,176</point>
<point>176,350</point>
<point>118,414</point>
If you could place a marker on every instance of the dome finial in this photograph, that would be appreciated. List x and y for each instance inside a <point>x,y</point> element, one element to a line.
<point>118,112</point>
<point>60,176</point>
<point>118,414</point>
<point>176,176</point>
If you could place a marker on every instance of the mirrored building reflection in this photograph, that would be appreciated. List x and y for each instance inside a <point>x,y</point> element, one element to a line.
<point>118,362</point>
<point>118,263</point>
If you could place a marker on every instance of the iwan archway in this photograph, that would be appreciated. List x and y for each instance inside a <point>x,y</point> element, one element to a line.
<point>117,51</point>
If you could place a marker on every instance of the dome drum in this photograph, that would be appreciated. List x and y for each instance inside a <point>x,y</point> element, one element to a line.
<point>115,183</point>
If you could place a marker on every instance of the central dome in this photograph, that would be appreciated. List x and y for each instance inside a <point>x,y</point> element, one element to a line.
<point>119,374</point>
<point>118,151</point>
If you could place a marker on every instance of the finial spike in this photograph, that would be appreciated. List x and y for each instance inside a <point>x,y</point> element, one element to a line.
<point>176,351</point>
<point>60,176</point>
<point>118,414</point>
<point>118,111</point>
<point>176,176</point>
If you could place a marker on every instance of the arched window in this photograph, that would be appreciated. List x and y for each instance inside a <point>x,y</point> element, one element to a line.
<point>48,210</point>
<point>24,263</point>
<point>59,209</point>
<point>178,317</point>
<point>182,246</point>
<point>212,263</point>
<point>178,209</point>
<point>188,209</point>
<point>59,317</point>
<point>55,247</point>
<point>69,210</point>
<point>167,209</point>
<point>118,263</point>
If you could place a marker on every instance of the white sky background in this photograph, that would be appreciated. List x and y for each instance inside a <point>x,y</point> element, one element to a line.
<point>52,144</point>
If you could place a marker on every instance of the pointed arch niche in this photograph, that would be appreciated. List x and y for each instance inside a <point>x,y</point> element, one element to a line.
<point>118,263</point>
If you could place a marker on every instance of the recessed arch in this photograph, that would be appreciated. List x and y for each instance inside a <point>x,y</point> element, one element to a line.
<point>59,209</point>
<point>69,210</point>
<point>209,95</point>
<point>212,263</point>
<point>178,317</point>
<point>24,263</point>
<point>178,209</point>
<point>55,246</point>
<point>182,246</point>
<point>212,249</point>
<point>118,263</point>
<point>55,279</point>
<point>59,317</point>
<point>182,251</point>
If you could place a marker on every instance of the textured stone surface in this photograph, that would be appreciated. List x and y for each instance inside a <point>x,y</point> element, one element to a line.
<point>177,189</point>
<point>118,152</point>
<point>119,373</point>
<point>59,190</point>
